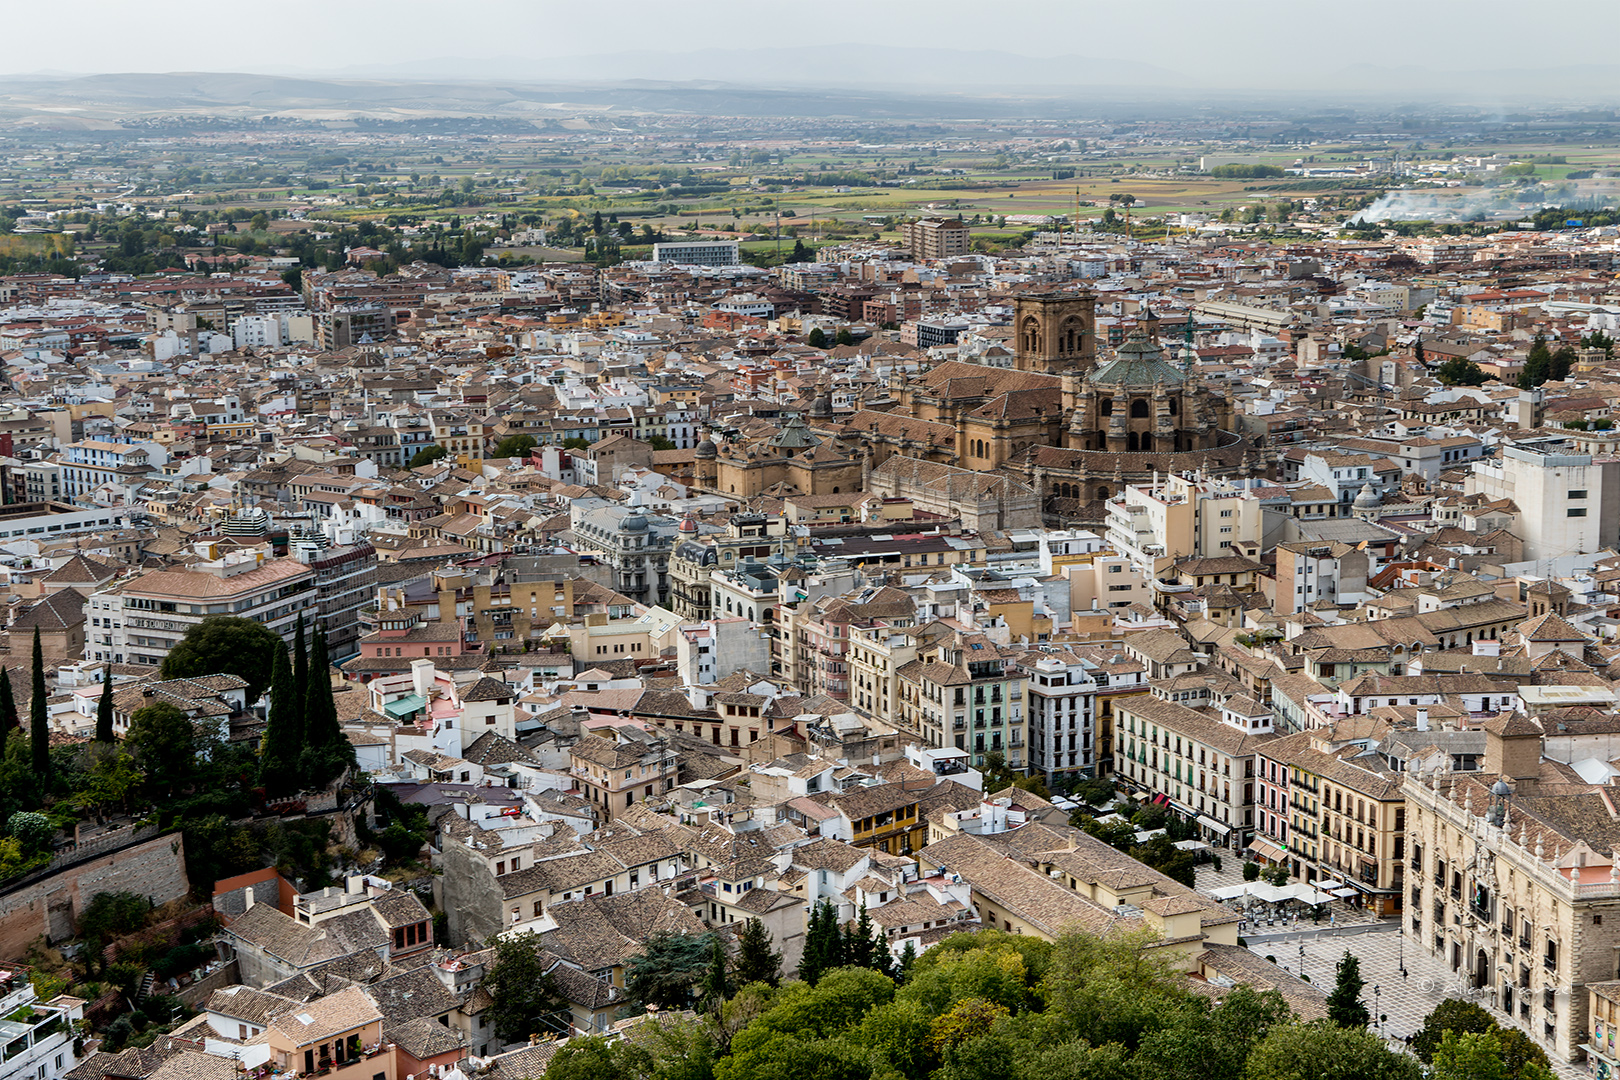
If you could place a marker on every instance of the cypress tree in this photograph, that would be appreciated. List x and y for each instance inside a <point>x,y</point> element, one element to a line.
<point>8,709</point>
<point>327,751</point>
<point>283,734</point>
<point>39,733</point>
<point>300,659</point>
<point>858,942</point>
<point>756,961</point>
<point>104,708</point>
<point>1344,1005</point>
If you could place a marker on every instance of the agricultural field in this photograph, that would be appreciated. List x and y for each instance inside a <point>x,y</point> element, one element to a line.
<point>454,197</point>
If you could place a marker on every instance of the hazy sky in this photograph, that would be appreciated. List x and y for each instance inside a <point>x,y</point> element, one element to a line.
<point>1201,36</point>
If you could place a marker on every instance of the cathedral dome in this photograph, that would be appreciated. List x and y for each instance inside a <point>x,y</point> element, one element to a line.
<point>706,449</point>
<point>1138,362</point>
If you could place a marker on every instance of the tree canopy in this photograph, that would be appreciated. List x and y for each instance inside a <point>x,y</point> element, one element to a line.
<point>515,446</point>
<point>522,992</point>
<point>226,644</point>
<point>1344,1004</point>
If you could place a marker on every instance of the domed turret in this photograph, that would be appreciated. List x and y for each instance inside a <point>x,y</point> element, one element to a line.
<point>634,522</point>
<point>1367,499</point>
<point>706,449</point>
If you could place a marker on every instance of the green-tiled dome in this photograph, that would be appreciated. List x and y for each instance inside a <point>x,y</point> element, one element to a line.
<point>1139,362</point>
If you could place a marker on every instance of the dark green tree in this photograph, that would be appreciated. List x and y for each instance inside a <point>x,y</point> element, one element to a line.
<point>817,338</point>
<point>104,707</point>
<point>844,336</point>
<point>327,751</point>
<point>1561,364</point>
<point>163,742</point>
<point>1344,1005</point>
<point>857,941</point>
<point>1452,1014</point>
<point>8,709</point>
<point>39,728</point>
<point>284,733</point>
<point>1537,365</point>
<point>908,960</point>
<point>229,645</point>
<point>756,962</point>
<point>1461,371</point>
<point>515,446</point>
<point>523,994</point>
<point>716,986</point>
<point>427,456</point>
<point>300,667</point>
<point>823,943</point>
<point>1417,351</point>
<point>669,969</point>
<point>1485,1056</point>
<point>1323,1051</point>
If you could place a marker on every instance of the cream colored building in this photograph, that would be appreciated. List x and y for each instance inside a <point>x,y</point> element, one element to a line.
<point>1515,886</point>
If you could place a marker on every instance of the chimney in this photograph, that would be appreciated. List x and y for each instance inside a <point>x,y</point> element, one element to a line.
<point>422,678</point>
<point>1423,719</point>
<point>247,899</point>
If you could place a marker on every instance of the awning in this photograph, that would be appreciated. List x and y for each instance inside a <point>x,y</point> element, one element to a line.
<point>1344,894</point>
<point>1306,894</point>
<point>1211,823</point>
<point>1160,799</point>
<point>406,705</point>
<point>1267,850</point>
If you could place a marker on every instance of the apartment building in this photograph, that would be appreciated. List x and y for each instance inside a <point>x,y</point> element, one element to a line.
<point>1331,811</point>
<point>1074,692</point>
<point>697,555</point>
<point>90,463</point>
<point>814,637</point>
<point>621,766</point>
<point>698,253</point>
<point>1568,501</point>
<point>138,620</point>
<point>345,585</point>
<point>967,692</point>
<point>1200,761</point>
<point>634,545</point>
<point>38,1037</point>
<point>935,238</point>
<point>876,653</point>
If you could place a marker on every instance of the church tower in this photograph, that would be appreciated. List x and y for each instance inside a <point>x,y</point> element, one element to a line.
<point>1055,332</point>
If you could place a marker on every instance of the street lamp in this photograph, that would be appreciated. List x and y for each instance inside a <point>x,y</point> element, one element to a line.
<point>1302,960</point>
<point>1380,1015</point>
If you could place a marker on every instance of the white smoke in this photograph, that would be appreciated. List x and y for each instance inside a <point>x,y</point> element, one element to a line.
<point>1486,204</point>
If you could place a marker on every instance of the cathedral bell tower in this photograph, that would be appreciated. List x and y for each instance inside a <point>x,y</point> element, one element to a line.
<point>1055,332</point>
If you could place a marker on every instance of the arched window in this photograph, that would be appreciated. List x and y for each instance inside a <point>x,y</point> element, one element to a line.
<point>1072,334</point>
<point>1105,407</point>
<point>1172,406</point>
<point>1102,493</point>
<point>835,491</point>
<point>1032,335</point>
<point>1139,408</point>
<point>1130,442</point>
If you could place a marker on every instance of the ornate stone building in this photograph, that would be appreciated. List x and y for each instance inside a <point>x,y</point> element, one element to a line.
<point>1055,332</point>
<point>794,460</point>
<point>1135,416</point>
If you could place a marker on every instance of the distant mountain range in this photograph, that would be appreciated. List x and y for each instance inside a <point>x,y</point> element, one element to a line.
<point>858,81</point>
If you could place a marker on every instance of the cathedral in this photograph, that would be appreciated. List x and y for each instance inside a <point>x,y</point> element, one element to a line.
<point>1074,427</point>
